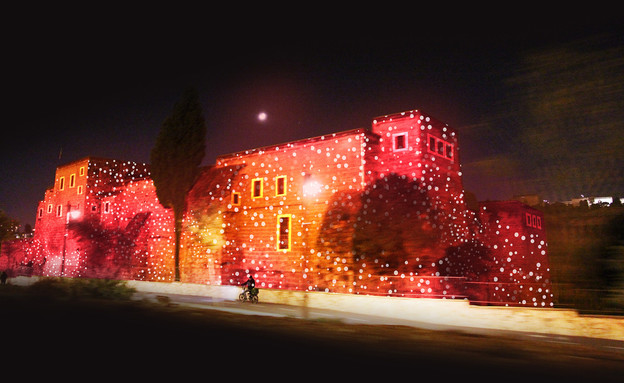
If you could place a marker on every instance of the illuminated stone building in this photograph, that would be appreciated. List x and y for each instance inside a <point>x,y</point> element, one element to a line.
<point>364,211</point>
<point>101,218</point>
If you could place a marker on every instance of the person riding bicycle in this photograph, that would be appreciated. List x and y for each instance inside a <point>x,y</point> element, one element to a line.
<point>251,284</point>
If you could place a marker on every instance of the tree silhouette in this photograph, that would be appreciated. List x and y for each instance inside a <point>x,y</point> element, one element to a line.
<point>8,226</point>
<point>111,251</point>
<point>176,157</point>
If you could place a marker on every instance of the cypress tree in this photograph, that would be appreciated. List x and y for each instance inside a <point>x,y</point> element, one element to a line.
<point>176,158</point>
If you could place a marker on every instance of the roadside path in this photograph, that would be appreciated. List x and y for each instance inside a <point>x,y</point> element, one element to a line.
<point>282,310</point>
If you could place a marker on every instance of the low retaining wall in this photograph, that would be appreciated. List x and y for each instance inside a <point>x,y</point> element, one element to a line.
<point>229,293</point>
<point>447,312</point>
<point>436,311</point>
<point>460,313</point>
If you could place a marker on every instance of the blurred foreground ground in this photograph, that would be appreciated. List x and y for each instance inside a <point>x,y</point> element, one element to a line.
<point>73,339</point>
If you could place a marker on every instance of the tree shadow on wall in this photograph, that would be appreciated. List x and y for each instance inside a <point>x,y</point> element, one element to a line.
<point>109,252</point>
<point>373,236</point>
<point>470,263</point>
<point>389,239</point>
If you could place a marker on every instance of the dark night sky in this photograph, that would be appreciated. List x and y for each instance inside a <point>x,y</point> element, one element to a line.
<point>102,83</point>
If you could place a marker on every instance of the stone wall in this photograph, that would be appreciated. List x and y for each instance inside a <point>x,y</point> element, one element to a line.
<point>438,312</point>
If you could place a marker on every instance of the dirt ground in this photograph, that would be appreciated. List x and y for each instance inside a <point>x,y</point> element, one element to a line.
<point>138,340</point>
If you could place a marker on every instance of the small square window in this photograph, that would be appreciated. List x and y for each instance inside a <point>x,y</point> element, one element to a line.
<point>400,141</point>
<point>235,198</point>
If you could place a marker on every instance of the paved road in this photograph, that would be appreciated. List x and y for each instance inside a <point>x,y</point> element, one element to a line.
<point>281,310</point>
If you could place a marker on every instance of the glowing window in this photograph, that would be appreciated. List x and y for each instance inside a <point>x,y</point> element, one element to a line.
<point>449,151</point>
<point>533,220</point>
<point>59,210</point>
<point>50,208</point>
<point>399,141</point>
<point>62,183</point>
<point>440,147</point>
<point>72,180</point>
<point>79,189</point>
<point>235,198</point>
<point>40,212</point>
<point>256,188</point>
<point>81,171</point>
<point>284,231</point>
<point>280,185</point>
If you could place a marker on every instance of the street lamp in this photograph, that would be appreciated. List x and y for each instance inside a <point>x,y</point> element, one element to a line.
<point>74,215</point>
<point>311,187</point>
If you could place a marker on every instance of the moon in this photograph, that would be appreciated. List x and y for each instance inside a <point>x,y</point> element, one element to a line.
<point>262,116</point>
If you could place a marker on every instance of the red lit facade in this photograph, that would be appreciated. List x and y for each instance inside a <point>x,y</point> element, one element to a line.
<point>100,219</point>
<point>367,211</point>
<point>518,269</point>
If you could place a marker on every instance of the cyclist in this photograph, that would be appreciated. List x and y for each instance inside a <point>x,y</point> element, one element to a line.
<point>251,284</point>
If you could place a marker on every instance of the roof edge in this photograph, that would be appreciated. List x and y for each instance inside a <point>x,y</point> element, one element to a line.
<point>302,141</point>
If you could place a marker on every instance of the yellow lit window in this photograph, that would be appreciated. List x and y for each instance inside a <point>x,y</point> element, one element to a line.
<point>72,180</point>
<point>235,198</point>
<point>256,188</point>
<point>62,183</point>
<point>280,185</point>
<point>284,225</point>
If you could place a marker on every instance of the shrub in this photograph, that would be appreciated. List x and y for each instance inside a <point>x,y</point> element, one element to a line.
<point>82,288</point>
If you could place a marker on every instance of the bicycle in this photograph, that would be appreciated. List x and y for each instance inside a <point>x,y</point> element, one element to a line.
<point>247,295</point>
